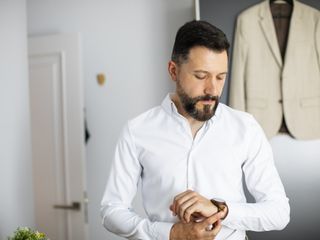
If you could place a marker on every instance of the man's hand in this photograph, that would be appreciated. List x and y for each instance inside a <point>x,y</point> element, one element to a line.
<point>189,204</point>
<point>197,230</point>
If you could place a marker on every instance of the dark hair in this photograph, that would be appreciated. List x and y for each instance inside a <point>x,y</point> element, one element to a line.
<point>198,33</point>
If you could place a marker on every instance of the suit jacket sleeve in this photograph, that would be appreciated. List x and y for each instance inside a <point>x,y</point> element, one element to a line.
<point>237,98</point>
<point>317,39</point>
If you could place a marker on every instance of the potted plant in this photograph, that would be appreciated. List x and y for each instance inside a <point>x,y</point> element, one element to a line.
<point>26,233</point>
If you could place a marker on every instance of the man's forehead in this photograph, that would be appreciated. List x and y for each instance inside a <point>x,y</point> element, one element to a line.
<point>206,60</point>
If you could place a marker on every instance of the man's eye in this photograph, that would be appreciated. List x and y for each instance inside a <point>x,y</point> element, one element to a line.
<point>201,76</point>
<point>221,77</point>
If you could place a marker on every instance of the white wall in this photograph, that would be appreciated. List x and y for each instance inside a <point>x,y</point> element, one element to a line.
<point>298,163</point>
<point>16,196</point>
<point>129,41</point>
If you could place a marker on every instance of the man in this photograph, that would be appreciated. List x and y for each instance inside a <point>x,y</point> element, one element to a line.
<point>191,154</point>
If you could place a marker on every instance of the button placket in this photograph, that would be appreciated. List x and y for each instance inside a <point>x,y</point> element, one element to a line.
<point>189,161</point>
<point>195,142</point>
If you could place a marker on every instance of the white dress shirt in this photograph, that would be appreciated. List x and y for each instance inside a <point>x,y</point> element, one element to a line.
<point>158,148</point>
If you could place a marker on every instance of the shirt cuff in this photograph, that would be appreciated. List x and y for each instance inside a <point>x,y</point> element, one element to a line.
<point>234,212</point>
<point>162,230</point>
<point>242,216</point>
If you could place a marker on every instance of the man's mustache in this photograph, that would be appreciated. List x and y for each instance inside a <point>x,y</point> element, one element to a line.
<point>206,98</point>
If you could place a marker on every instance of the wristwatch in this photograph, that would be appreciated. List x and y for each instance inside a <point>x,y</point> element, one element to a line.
<point>220,204</point>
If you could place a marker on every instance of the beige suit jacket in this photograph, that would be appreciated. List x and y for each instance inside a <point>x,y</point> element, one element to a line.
<point>267,87</point>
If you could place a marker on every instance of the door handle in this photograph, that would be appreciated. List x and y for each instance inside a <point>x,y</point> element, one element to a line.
<point>74,206</point>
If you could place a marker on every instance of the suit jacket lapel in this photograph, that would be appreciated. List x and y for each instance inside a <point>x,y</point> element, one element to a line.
<point>267,25</point>
<point>295,30</point>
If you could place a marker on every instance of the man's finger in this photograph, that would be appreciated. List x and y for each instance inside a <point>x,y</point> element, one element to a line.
<point>185,208</point>
<point>214,232</point>
<point>211,220</point>
<point>217,228</point>
<point>174,203</point>
<point>194,208</point>
<point>183,193</point>
<point>182,199</point>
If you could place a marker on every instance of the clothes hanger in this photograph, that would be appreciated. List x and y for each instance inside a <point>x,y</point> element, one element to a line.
<point>279,15</point>
<point>282,1</point>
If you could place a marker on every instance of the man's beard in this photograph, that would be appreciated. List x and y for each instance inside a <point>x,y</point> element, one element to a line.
<point>189,104</point>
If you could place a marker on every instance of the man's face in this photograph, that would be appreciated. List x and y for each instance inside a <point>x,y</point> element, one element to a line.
<point>200,81</point>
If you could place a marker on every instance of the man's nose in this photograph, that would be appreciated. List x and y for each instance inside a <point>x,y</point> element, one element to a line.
<point>210,87</point>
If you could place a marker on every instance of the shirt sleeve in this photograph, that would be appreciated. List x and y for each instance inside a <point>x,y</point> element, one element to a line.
<point>116,211</point>
<point>271,211</point>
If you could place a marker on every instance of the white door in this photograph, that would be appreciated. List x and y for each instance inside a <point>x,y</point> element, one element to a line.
<point>57,122</point>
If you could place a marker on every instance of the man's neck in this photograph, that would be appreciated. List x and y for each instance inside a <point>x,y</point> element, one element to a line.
<point>195,125</point>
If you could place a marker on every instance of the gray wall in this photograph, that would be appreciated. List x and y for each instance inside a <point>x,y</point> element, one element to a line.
<point>297,161</point>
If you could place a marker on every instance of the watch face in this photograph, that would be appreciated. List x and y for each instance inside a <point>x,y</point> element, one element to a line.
<point>221,205</point>
<point>219,200</point>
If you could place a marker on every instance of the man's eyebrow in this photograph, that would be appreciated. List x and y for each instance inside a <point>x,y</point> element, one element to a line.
<point>223,73</point>
<point>206,72</point>
<point>200,71</point>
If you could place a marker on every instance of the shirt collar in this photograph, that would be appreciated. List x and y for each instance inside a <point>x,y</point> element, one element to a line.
<point>169,106</point>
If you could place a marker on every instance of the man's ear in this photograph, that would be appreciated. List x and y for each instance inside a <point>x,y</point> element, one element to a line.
<point>173,70</point>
